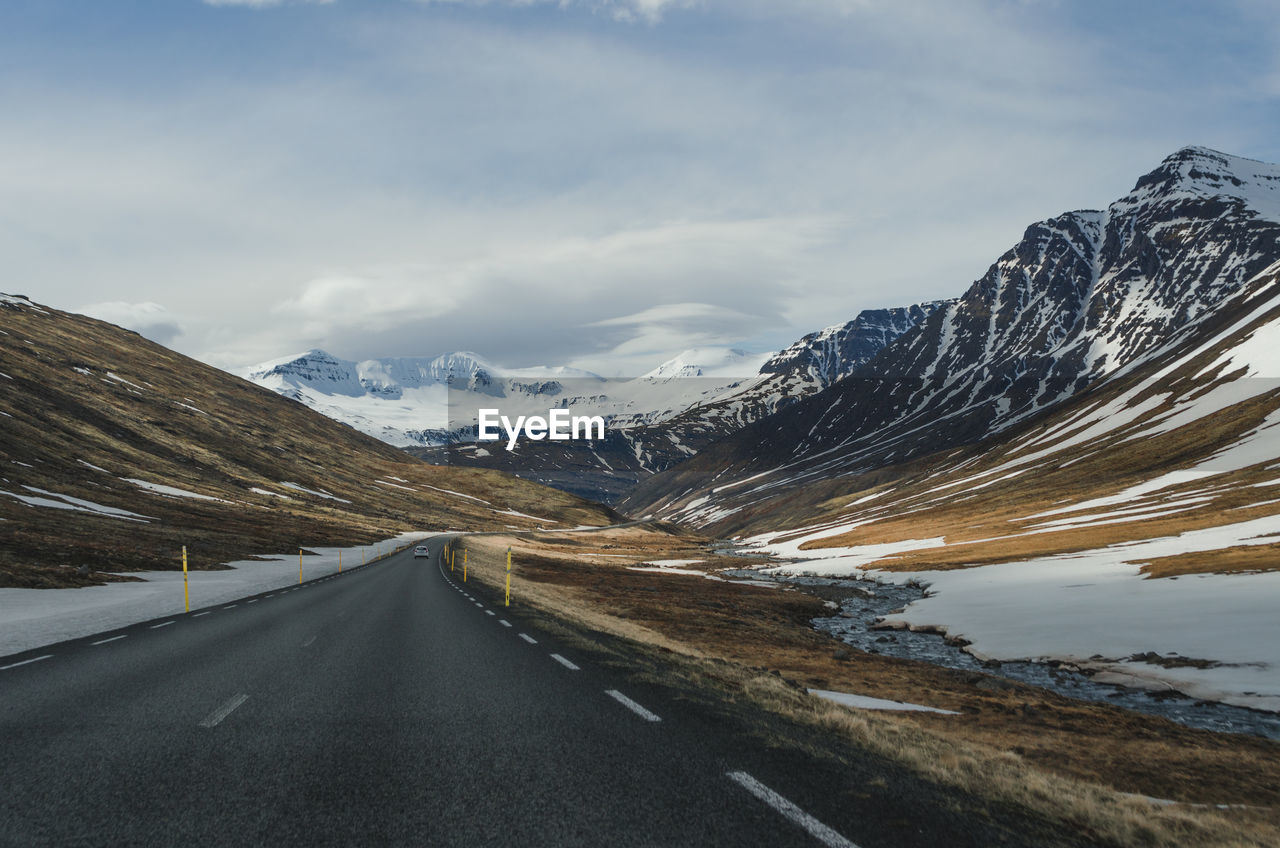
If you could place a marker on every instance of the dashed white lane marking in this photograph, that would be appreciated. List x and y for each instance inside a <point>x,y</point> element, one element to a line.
<point>252,601</point>
<point>480,605</point>
<point>309,641</point>
<point>214,718</point>
<point>794,814</point>
<point>161,624</point>
<point>112,639</point>
<point>528,638</point>
<point>632,705</point>
<point>564,662</point>
<point>206,612</point>
<point>272,595</point>
<point>24,662</point>
<point>490,612</point>
<point>230,606</point>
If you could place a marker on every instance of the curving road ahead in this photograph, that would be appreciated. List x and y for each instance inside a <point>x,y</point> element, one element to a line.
<point>391,705</point>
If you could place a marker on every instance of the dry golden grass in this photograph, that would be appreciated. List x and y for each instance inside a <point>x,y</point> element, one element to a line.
<point>1237,560</point>
<point>1077,763</point>
<point>88,405</point>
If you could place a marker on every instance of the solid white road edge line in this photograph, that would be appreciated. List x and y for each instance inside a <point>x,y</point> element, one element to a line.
<point>528,638</point>
<point>632,705</point>
<point>790,811</point>
<point>564,662</point>
<point>24,662</point>
<point>216,717</point>
<point>112,639</point>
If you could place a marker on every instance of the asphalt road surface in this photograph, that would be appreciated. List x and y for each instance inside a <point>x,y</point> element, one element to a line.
<point>391,704</point>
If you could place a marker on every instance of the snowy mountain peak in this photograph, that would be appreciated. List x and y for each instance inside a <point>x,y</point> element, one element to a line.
<point>835,352</point>
<point>1205,173</point>
<point>708,362</point>
<point>313,368</point>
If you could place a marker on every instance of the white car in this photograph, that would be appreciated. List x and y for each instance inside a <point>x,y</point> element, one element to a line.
<point>421,551</point>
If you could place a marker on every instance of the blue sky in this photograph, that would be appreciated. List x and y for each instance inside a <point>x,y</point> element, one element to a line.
<point>594,182</point>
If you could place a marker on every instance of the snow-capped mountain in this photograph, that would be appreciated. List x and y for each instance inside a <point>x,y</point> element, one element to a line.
<point>1082,298</point>
<point>1079,459</point>
<point>690,401</point>
<point>709,362</point>
<point>833,353</point>
<point>434,400</point>
<point>701,395</point>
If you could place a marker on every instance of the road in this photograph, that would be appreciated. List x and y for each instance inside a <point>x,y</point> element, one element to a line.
<point>391,704</point>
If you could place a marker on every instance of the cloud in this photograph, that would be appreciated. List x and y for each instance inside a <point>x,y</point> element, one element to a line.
<point>629,11</point>
<point>391,179</point>
<point>263,4</point>
<point>590,300</point>
<point>149,320</point>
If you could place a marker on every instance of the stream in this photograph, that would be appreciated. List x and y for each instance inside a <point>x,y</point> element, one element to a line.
<point>864,602</point>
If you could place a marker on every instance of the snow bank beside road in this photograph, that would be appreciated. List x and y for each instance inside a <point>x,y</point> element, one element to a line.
<point>30,618</point>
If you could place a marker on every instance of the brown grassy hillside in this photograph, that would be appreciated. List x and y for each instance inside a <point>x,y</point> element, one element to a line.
<point>87,407</point>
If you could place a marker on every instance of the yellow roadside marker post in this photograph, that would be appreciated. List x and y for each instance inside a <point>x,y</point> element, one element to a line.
<point>464,568</point>
<point>508,602</point>
<point>186,593</point>
<point>299,565</point>
<point>339,562</point>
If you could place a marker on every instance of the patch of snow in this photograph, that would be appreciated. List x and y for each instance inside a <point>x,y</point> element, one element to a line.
<point>863,702</point>
<point>667,570</point>
<point>305,490</point>
<point>91,465</point>
<point>524,515</point>
<point>111,375</point>
<point>73,504</point>
<point>456,494</point>
<point>1173,478</point>
<point>20,301</point>
<point>1074,607</point>
<point>170,491</point>
<point>258,491</point>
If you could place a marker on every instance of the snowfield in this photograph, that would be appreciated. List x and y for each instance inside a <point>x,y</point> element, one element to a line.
<point>1096,610</point>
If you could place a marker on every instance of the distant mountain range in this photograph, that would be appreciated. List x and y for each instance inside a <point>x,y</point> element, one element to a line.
<point>654,421</point>
<point>1082,299</point>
